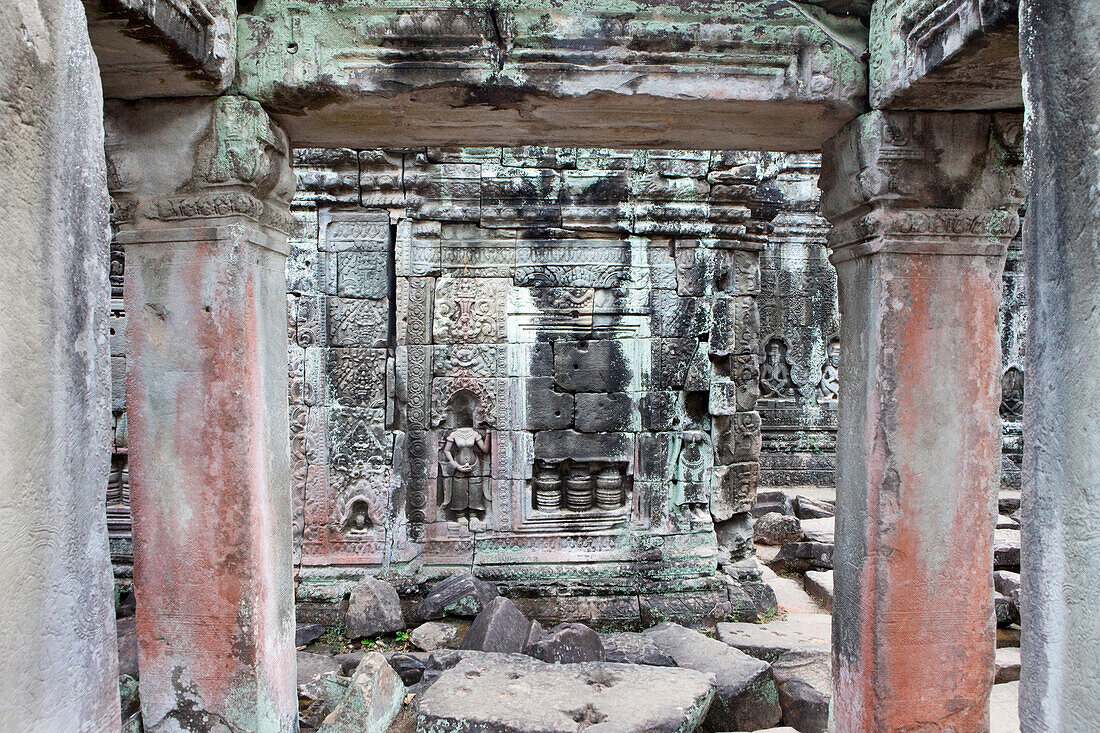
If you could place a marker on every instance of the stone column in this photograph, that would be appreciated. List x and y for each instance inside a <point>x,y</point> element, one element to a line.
<point>58,664</point>
<point>1060,670</point>
<point>201,192</point>
<point>922,207</point>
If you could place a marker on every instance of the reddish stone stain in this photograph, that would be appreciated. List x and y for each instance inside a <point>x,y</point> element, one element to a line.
<point>926,644</point>
<point>205,600</point>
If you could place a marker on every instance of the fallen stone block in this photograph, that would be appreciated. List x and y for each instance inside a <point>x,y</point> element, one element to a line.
<point>819,584</point>
<point>772,500</point>
<point>307,633</point>
<point>567,644</point>
<point>1007,665</point>
<point>822,529</point>
<point>633,648</point>
<point>501,627</point>
<point>1006,549</point>
<point>807,508</point>
<point>374,697</point>
<point>311,669</point>
<point>433,635</point>
<point>459,595</point>
<point>777,529</point>
<point>770,641</point>
<point>803,556</point>
<point>511,693</point>
<point>746,697</point>
<point>410,667</point>
<point>374,608</point>
<point>805,688</point>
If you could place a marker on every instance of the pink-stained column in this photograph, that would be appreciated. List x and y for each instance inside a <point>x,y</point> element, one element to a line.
<point>923,206</point>
<point>201,192</point>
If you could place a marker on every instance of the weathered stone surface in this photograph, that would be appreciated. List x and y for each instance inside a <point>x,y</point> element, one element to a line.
<point>58,662</point>
<point>798,632</point>
<point>820,530</point>
<point>819,584</point>
<point>508,693</point>
<point>776,529</point>
<point>501,627</point>
<point>306,633</point>
<point>806,507</point>
<point>725,103</point>
<point>634,648</point>
<point>1007,663</point>
<point>373,608</point>
<point>459,595</point>
<point>433,635</point>
<point>803,556</point>
<point>567,644</point>
<point>805,687</point>
<point>1060,511</point>
<point>1006,611</point>
<point>311,668</point>
<point>1004,708</point>
<point>746,697</point>
<point>374,697</point>
<point>596,413</point>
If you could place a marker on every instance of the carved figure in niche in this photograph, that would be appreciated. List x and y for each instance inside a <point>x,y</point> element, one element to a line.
<point>464,482</point>
<point>829,387</point>
<point>1012,394</point>
<point>361,516</point>
<point>691,449</point>
<point>775,375</point>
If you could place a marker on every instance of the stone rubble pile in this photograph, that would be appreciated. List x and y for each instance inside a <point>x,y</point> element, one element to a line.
<point>509,673</point>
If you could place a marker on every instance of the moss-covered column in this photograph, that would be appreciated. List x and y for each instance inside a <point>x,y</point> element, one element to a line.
<point>922,207</point>
<point>201,191</point>
<point>1060,670</point>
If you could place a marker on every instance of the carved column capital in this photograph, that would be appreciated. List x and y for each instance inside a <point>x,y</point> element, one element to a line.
<point>198,160</point>
<point>923,183</point>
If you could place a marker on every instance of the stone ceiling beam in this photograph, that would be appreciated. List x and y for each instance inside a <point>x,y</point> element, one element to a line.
<point>721,75</point>
<point>163,48</point>
<point>947,55</point>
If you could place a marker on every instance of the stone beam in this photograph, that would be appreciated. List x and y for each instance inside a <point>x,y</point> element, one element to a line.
<point>58,664</point>
<point>922,207</point>
<point>163,48</point>
<point>201,191</point>
<point>951,56</point>
<point>1059,685</point>
<point>696,75</point>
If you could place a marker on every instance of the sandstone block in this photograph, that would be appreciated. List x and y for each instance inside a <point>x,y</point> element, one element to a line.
<point>374,608</point>
<point>508,693</point>
<point>746,697</point>
<point>374,697</point>
<point>459,595</point>
<point>567,643</point>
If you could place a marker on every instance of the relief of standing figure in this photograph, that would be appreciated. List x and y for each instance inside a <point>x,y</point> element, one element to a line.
<point>692,449</point>
<point>464,489</point>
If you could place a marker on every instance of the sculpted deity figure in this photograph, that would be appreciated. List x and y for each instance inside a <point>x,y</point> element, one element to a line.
<point>829,386</point>
<point>1012,394</point>
<point>775,375</point>
<point>464,489</point>
<point>691,448</point>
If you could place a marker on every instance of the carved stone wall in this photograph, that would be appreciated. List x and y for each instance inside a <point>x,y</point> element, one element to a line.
<point>539,362</point>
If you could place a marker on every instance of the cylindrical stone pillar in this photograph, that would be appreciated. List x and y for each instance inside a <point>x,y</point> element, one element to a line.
<point>207,406</point>
<point>921,222</point>
<point>1060,549</point>
<point>58,660</point>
